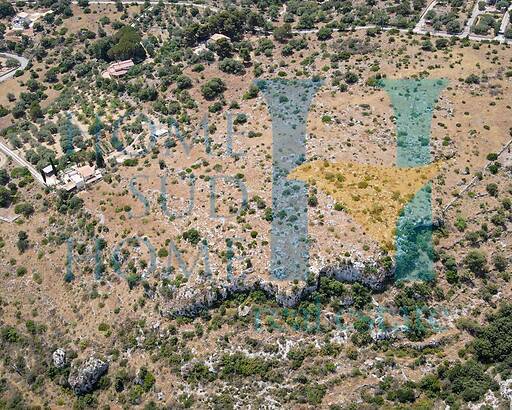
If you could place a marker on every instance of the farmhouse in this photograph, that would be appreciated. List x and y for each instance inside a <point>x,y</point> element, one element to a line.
<point>24,20</point>
<point>117,69</point>
<point>216,37</point>
<point>21,21</point>
<point>77,178</point>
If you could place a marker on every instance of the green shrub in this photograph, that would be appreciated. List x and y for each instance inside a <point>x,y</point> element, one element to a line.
<point>163,253</point>
<point>21,271</point>
<point>240,365</point>
<point>103,327</point>
<point>460,223</point>
<point>351,77</point>
<point>494,341</point>
<point>24,208</point>
<point>192,235</point>
<point>476,262</point>
<point>231,66</point>
<point>131,162</point>
<point>315,393</point>
<point>472,79</point>
<point>338,206</point>
<point>468,380</point>
<point>213,88</point>
<point>324,33</point>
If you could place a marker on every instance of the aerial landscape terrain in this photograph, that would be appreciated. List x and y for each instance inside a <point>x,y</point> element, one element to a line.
<point>256,204</point>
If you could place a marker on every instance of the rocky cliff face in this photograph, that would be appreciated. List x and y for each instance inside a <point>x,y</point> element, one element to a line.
<point>83,378</point>
<point>190,301</point>
<point>369,274</point>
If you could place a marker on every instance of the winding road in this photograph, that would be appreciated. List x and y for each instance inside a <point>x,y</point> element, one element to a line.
<point>418,29</point>
<point>4,149</point>
<point>466,32</point>
<point>23,162</point>
<point>23,64</point>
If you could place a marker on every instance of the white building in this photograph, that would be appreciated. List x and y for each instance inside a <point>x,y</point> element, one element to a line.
<point>216,37</point>
<point>77,178</point>
<point>25,20</point>
<point>21,21</point>
<point>48,171</point>
<point>161,132</point>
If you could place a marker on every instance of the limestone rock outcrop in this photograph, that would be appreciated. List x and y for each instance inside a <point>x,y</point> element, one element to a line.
<point>83,378</point>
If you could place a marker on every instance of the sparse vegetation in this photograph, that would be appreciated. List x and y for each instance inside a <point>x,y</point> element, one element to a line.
<point>161,273</point>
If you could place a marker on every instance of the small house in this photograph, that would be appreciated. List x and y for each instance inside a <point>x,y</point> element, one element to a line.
<point>77,179</point>
<point>87,172</point>
<point>21,21</point>
<point>48,171</point>
<point>216,37</point>
<point>161,132</point>
<point>117,69</point>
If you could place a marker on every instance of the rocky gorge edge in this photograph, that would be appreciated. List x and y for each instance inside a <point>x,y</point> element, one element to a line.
<point>191,301</point>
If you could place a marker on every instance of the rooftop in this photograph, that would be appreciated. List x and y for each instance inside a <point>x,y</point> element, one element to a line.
<point>217,37</point>
<point>118,69</point>
<point>86,171</point>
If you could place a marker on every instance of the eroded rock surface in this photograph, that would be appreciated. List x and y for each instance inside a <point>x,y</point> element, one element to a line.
<point>83,378</point>
<point>190,301</point>
<point>59,358</point>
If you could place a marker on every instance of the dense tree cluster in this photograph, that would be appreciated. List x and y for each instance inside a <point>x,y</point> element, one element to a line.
<point>123,45</point>
<point>213,88</point>
<point>6,9</point>
<point>493,343</point>
<point>485,23</point>
<point>234,23</point>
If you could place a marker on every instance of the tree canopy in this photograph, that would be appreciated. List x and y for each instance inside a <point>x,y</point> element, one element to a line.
<point>127,45</point>
<point>6,9</point>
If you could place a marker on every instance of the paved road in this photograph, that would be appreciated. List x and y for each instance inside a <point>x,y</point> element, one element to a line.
<point>474,14</point>
<point>23,64</point>
<point>178,3</point>
<point>417,29</point>
<point>506,20</point>
<point>24,163</point>
<point>466,32</point>
<point>421,22</point>
<point>504,24</point>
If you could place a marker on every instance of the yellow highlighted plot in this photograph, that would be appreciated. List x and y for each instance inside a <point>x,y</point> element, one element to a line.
<point>372,195</point>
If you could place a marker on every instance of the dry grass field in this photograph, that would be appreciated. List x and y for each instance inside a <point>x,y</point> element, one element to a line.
<point>344,345</point>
